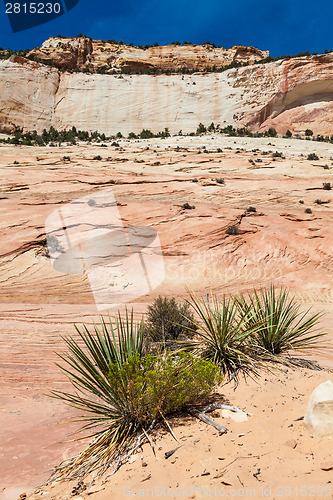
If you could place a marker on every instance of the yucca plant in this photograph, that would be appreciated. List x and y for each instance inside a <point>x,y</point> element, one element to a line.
<point>283,326</point>
<point>122,394</point>
<point>87,367</point>
<point>222,335</point>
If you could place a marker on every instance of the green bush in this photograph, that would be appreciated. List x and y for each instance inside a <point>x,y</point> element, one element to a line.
<point>312,156</point>
<point>251,209</point>
<point>161,385</point>
<point>187,206</point>
<point>146,134</point>
<point>308,211</point>
<point>232,230</point>
<point>271,132</point>
<point>168,323</point>
<point>308,132</point>
<point>121,394</point>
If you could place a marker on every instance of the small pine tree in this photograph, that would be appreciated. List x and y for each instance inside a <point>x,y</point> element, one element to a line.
<point>201,129</point>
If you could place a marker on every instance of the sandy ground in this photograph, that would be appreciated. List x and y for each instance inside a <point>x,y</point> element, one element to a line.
<point>280,244</point>
<point>269,454</point>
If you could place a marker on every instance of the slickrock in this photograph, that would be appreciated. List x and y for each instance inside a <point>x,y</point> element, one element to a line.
<point>39,304</point>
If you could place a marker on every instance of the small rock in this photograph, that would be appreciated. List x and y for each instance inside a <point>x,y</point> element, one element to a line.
<point>292,443</point>
<point>239,416</point>
<point>132,459</point>
<point>327,466</point>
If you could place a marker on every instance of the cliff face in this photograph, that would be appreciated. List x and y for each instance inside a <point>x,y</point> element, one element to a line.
<point>293,94</point>
<point>96,55</point>
<point>27,94</point>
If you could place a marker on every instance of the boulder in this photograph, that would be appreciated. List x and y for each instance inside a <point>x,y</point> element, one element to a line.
<point>318,418</point>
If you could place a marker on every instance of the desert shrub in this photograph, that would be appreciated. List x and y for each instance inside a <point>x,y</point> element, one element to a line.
<point>282,326</point>
<point>232,230</point>
<point>121,394</point>
<point>187,206</point>
<point>251,209</point>
<point>168,323</point>
<point>327,186</point>
<point>195,180</point>
<point>66,158</point>
<point>115,144</point>
<point>161,385</point>
<point>319,202</point>
<point>277,154</point>
<point>312,156</point>
<point>146,134</point>
<point>308,132</point>
<point>301,202</point>
<point>271,132</point>
<point>289,133</point>
<point>308,211</point>
<point>98,157</point>
<point>220,180</point>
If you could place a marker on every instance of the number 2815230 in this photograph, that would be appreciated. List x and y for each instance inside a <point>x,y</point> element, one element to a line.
<point>33,8</point>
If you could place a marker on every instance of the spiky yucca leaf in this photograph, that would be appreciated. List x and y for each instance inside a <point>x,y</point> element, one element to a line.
<point>284,326</point>
<point>121,393</point>
<point>87,367</point>
<point>222,335</point>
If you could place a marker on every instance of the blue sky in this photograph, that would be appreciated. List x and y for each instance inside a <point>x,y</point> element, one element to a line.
<point>282,27</point>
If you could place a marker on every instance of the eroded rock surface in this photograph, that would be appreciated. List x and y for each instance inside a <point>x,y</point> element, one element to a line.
<point>294,94</point>
<point>278,243</point>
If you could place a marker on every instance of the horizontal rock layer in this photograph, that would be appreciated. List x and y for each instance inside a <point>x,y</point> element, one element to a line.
<point>82,52</point>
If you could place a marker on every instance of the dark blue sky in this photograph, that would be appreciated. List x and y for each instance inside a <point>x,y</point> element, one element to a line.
<point>282,27</point>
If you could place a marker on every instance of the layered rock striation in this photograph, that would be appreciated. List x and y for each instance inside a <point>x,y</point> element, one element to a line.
<point>294,94</point>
